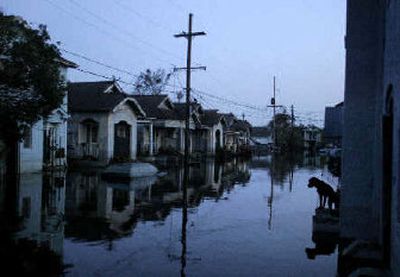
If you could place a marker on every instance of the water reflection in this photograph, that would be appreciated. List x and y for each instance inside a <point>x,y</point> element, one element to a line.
<point>33,237</point>
<point>185,227</point>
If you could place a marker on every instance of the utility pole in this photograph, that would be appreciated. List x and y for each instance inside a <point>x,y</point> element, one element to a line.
<point>189,36</point>
<point>274,106</point>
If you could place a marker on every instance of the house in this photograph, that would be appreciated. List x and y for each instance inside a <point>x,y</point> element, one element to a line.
<point>237,133</point>
<point>160,129</point>
<point>261,135</point>
<point>333,125</point>
<point>213,124</point>
<point>196,132</point>
<point>370,207</point>
<point>44,144</point>
<point>312,137</point>
<point>103,123</point>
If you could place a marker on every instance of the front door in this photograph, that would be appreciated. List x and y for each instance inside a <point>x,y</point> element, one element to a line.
<point>122,140</point>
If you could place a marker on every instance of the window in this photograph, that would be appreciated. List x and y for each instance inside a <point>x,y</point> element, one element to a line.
<point>27,138</point>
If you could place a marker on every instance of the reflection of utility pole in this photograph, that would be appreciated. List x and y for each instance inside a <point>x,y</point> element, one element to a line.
<point>271,196</point>
<point>274,106</point>
<point>189,36</point>
<point>291,129</point>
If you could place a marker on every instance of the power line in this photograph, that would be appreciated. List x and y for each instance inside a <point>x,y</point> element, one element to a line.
<point>107,22</point>
<point>98,62</point>
<point>127,8</point>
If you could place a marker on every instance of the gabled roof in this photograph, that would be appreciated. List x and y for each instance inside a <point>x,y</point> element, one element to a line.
<point>211,117</point>
<point>103,96</point>
<point>229,119</point>
<point>154,106</point>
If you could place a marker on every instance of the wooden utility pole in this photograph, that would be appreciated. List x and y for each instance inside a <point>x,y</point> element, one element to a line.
<point>274,106</point>
<point>189,36</point>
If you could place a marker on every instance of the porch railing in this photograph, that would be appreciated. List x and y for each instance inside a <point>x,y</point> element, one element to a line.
<point>90,151</point>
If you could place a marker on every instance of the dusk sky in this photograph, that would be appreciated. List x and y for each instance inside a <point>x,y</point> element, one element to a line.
<point>247,43</point>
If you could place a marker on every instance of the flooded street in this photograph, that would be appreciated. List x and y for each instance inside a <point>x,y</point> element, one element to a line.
<point>240,222</point>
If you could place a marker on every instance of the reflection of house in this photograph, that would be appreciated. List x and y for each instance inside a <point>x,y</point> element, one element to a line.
<point>45,143</point>
<point>41,204</point>
<point>103,123</point>
<point>333,126</point>
<point>311,137</point>
<point>370,207</point>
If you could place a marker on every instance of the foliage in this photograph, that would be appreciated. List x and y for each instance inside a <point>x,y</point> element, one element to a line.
<point>30,82</point>
<point>152,82</point>
<point>288,137</point>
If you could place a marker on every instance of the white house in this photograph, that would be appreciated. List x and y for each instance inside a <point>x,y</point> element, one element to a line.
<point>44,144</point>
<point>213,122</point>
<point>103,122</point>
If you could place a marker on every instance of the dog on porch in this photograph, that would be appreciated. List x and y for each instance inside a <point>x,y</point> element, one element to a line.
<point>326,193</point>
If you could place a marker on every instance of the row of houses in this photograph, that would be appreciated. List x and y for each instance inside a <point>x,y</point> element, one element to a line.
<point>99,123</point>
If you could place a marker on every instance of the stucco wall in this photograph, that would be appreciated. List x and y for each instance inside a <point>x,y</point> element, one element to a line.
<point>76,134</point>
<point>123,113</point>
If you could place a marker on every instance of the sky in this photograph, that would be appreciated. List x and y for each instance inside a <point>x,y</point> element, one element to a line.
<point>301,42</point>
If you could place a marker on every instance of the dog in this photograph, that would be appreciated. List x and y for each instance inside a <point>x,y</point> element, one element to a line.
<point>325,192</point>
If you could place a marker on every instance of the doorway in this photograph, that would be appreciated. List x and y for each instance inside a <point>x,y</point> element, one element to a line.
<point>122,140</point>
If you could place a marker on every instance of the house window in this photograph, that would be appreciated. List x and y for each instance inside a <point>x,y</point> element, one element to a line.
<point>28,138</point>
<point>92,130</point>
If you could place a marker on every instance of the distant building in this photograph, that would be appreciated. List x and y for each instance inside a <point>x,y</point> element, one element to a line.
<point>333,126</point>
<point>312,137</point>
<point>261,135</point>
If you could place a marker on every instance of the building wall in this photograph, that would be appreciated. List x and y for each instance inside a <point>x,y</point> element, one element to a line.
<point>76,134</point>
<point>364,45</point>
<point>392,77</point>
<point>31,158</point>
<point>333,125</point>
<point>123,113</point>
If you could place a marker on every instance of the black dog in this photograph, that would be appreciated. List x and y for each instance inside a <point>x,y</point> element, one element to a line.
<point>325,192</point>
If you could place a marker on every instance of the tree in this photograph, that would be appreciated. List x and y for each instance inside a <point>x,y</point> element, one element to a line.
<point>152,82</point>
<point>30,82</point>
<point>289,137</point>
<point>30,88</point>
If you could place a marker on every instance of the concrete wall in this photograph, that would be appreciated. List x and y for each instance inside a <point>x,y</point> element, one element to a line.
<point>364,45</point>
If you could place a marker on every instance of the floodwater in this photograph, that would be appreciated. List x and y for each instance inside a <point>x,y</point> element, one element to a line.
<point>242,218</point>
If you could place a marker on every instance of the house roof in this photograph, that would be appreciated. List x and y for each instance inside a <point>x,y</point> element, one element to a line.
<point>67,63</point>
<point>151,105</point>
<point>101,96</point>
<point>241,125</point>
<point>210,117</point>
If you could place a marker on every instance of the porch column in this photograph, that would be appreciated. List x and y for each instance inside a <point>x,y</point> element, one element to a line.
<point>151,150</point>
